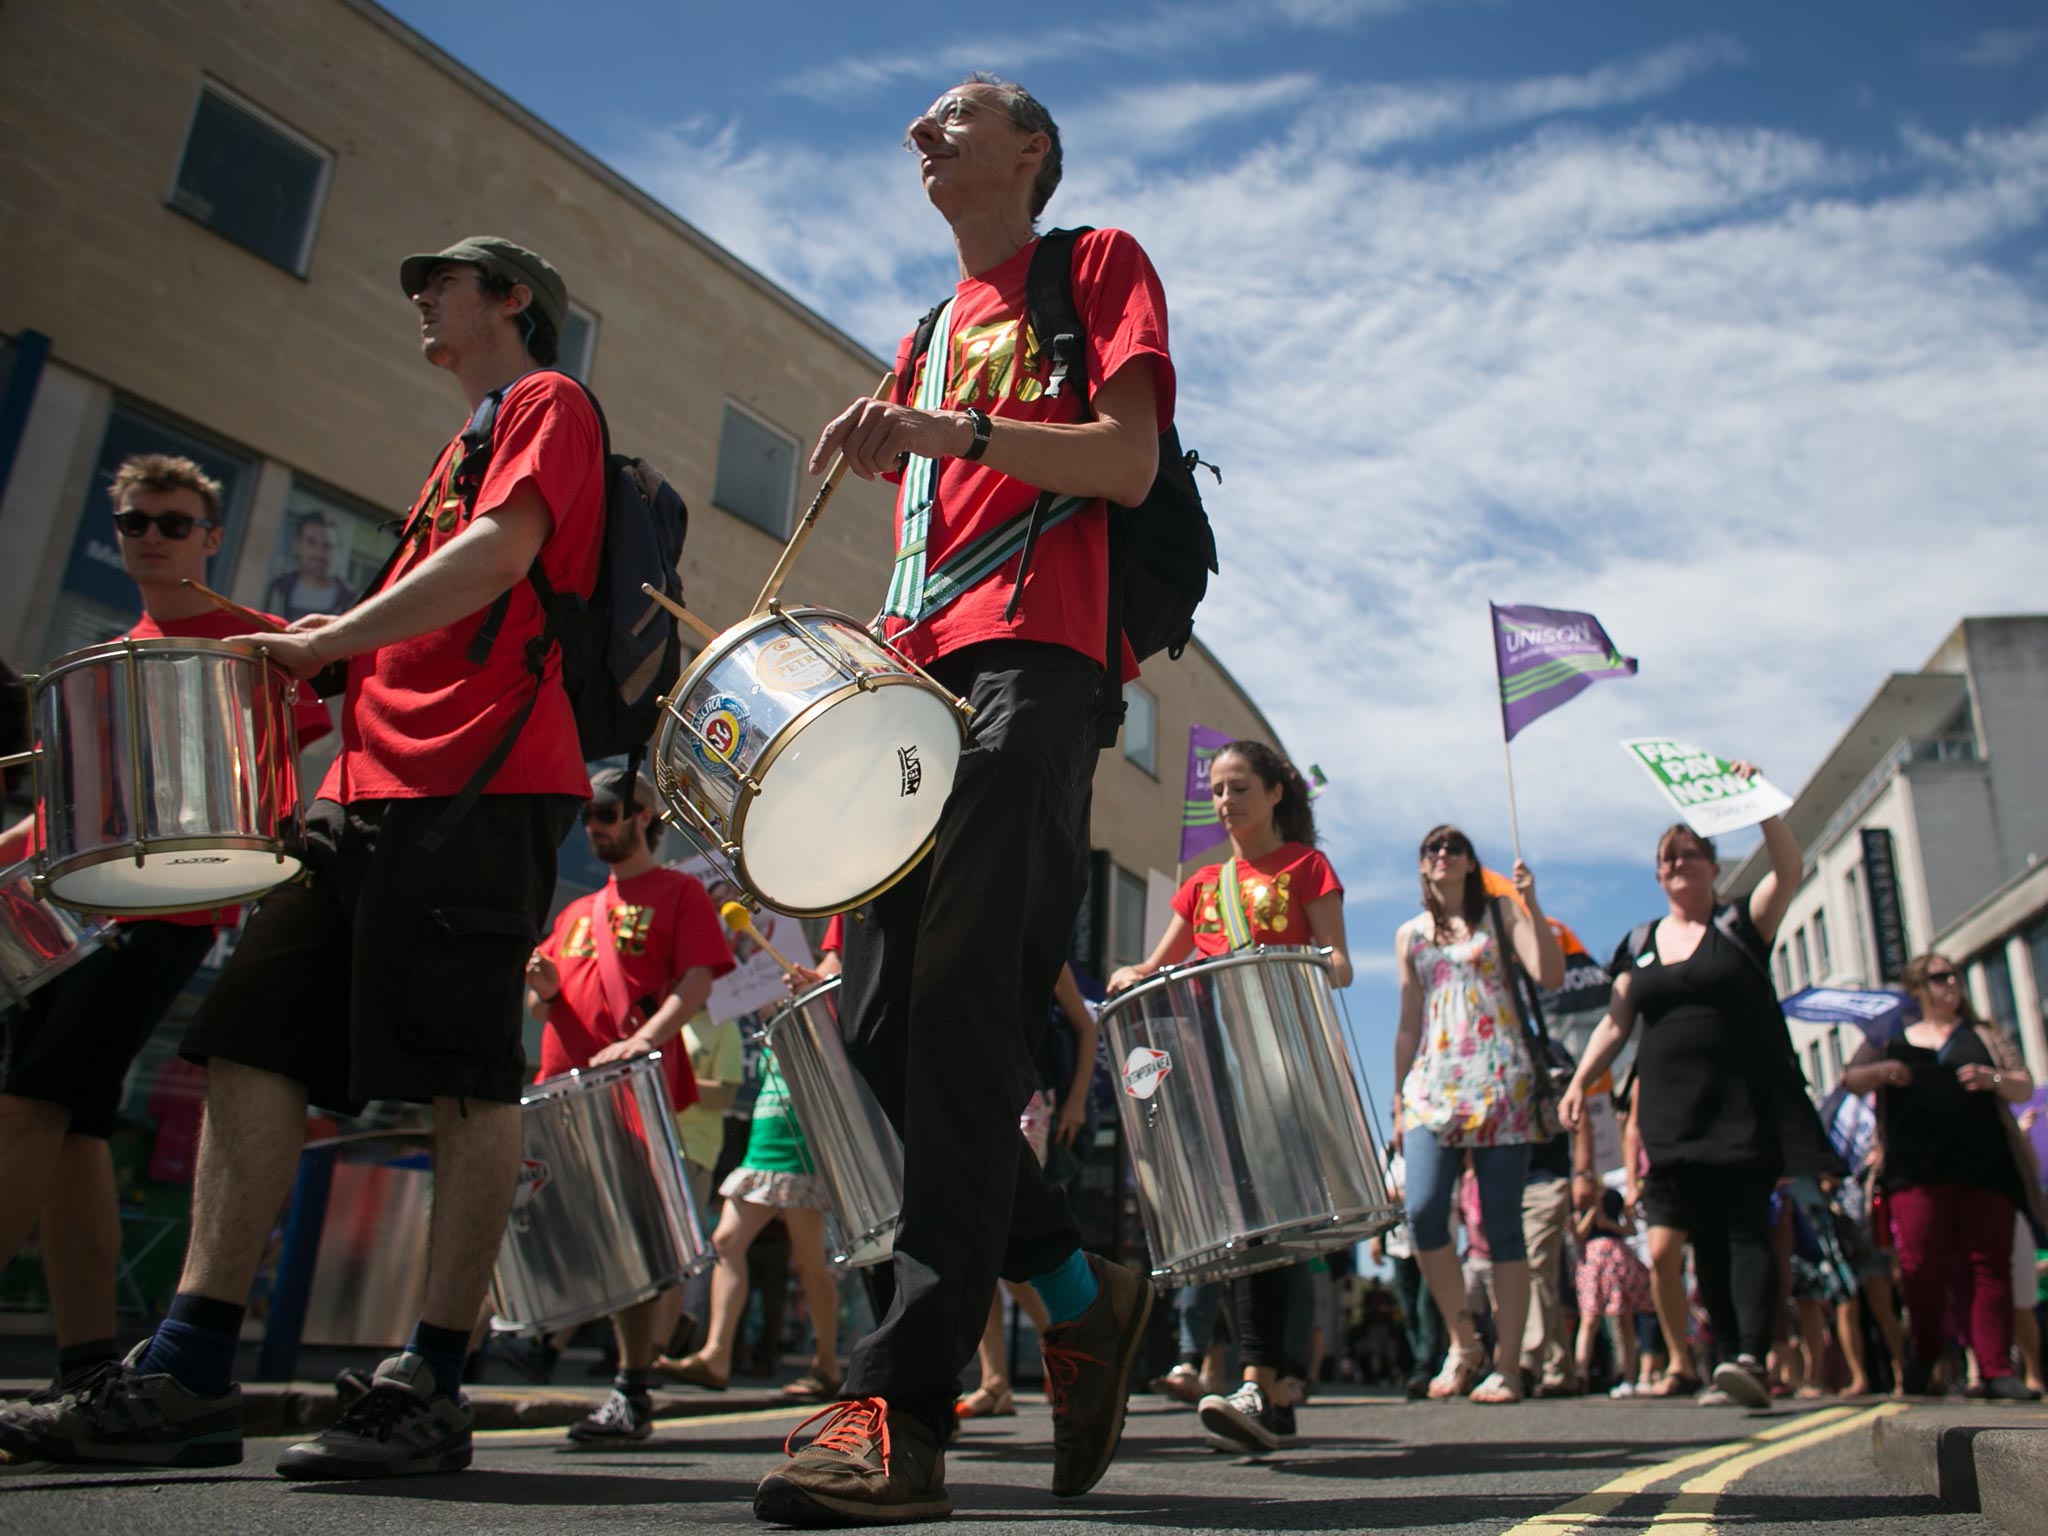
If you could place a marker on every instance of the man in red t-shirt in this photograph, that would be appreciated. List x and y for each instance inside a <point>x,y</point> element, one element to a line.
<point>396,969</point>
<point>948,982</point>
<point>66,1052</point>
<point>625,968</point>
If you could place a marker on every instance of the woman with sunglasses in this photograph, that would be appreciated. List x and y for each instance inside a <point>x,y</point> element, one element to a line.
<point>1724,1112</point>
<point>1949,1173</point>
<point>1468,1092</point>
<point>1286,893</point>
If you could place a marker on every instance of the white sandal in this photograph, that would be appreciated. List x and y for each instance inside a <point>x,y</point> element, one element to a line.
<point>1495,1391</point>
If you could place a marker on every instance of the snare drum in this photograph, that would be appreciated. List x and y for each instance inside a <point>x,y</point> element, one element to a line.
<point>808,759</point>
<point>602,1217</point>
<point>38,942</point>
<point>168,773</point>
<point>1245,1126</point>
<point>857,1151</point>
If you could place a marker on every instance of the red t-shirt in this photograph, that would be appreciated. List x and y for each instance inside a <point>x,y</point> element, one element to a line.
<point>310,713</point>
<point>419,716</point>
<point>1277,890</point>
<point>1123,309</point>
<point>834,942</point>
<point>662,925</point>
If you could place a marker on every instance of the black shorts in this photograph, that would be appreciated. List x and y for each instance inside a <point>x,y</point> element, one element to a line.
<point>387,972</point>
<point>1694,1195</point>
<point>74,1039</point>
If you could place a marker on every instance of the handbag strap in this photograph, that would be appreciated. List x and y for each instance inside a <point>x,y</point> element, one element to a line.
<point>1531,1017</point>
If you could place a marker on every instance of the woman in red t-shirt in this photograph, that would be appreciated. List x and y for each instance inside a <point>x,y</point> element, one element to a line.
<point>1288,895</point>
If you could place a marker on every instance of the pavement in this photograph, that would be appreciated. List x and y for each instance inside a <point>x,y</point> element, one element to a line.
<point>1972,1456</point>
<point>1365,1463</point>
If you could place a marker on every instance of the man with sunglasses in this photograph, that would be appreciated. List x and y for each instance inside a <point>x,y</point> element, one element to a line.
<point>625,968</point>
<point>395,969</point>
<point>65,1053</point>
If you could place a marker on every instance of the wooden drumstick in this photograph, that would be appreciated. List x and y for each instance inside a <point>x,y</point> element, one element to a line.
<point>833,476</point>
<point>679,611</point>
<point>249,615</point>
<point>740,920</point>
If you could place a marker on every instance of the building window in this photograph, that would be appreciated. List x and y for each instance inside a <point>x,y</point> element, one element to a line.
<point>1127,919</point>
<point>1782,965</point>
<point>578,344</point>
<point>756,471</point>
<point>1814,1081</point>
<point>1141,727</point>
<point>1801,967</point>
<point>250,179</point>
<point>1821,956</point>
<point>1859,927</point>
<point>1998,998</point>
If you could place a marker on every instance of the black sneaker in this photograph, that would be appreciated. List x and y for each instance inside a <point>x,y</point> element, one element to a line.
<point>622,1417</point>
<point>1088,1376</point>
<point>1246,1421</point>
<point>119,1416</point>
<point>2010,1389</point>
<point>1743,1380</point>
<point>397,1429</point>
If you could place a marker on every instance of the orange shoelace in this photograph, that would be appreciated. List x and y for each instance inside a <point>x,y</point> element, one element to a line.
<point>1062,1370</point>
<point>850,1428</point>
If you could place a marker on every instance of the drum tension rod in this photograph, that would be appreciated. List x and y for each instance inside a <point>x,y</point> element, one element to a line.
<point>825,650</point>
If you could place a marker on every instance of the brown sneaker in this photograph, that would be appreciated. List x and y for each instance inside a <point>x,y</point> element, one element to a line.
<point>1088,1376</point>
<point>867,1466</point>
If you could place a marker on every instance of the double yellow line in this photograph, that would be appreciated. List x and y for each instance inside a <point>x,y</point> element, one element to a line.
<point>1690,1508</point>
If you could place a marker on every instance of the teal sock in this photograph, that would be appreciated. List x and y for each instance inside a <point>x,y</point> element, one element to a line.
<point>1068,1290</point>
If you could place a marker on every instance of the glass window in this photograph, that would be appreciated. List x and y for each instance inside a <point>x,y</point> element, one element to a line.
<point>1802,968</point>
<point>250,179</point>
<point>1998,988</point>
<point>1141,727</point>
<point>1834,1040</point>
<point>1782,965</point>
<point>1821,957</point>
<point>756,472</point>
<point>1859,927</point>
<point>578,343</point>
<point>328,551</point>
<point>1814,1079</point>
<point>1127,920</point>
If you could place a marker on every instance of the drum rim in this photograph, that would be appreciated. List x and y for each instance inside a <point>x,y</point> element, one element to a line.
<point>1259,954</point>
<point>1199,1266</point>
<point>111,650</point>
<point>766,1033</point>
<point>581,1079</point>
<point>578,1316</point>
<point>887,1227</point>
<point>721,648</point>
<point>285,852</point>
<point>13,993</point>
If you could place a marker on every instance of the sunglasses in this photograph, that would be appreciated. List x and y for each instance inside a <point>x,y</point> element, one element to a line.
<point>603,815</point>
<point>1942,978</point>
<point>173,525</point>
<point>1443,845</point>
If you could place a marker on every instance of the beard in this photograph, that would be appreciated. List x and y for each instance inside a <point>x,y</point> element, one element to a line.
<point>613,850</point>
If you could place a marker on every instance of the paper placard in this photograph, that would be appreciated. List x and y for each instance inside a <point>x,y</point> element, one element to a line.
<point>1699,786</point>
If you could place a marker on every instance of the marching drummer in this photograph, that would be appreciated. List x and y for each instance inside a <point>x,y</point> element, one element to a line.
<point>625,968</point>
<point>395,970</point>
<point>65,1053</point>
<point>1275,888</point>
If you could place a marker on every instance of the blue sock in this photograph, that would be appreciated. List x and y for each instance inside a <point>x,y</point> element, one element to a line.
<point>444,1350</point>
<point>1067,1290</point>
<point>195,1344</point>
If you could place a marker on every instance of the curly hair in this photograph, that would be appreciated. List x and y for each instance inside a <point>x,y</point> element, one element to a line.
<point>165,472</point>
<point>1292,817</point>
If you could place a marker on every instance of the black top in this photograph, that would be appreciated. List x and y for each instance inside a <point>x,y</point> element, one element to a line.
<point>1939,1132</point>
<point>1715,1057</point>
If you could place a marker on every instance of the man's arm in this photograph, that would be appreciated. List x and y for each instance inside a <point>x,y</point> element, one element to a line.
<point>666,1022</point>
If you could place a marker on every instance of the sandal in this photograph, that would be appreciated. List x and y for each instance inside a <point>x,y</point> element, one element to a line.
<point>1457,1376</point>
<point>814,1386</point>
<point>691,1371</point>
<point>1496,1389</point>
<point>1676,1384</point>
<point>981,1403</point>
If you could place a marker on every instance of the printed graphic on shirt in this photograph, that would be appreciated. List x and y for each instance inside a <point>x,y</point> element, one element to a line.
<point>629,926</point>
<point>441,495</point>
<point>983,366</point>
<point>1267,901</point>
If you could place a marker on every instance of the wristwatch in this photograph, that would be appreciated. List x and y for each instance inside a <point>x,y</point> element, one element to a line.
<point>983,429</point>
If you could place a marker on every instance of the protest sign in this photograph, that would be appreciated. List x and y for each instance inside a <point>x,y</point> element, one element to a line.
<point>756,982</point>
<point>1711,799</point>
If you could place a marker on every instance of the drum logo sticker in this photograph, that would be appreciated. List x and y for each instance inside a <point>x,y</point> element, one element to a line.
<point>912,769</point>
<point>720,727</point>
<point>534,1176</point>
<point>790,666</point>
<point>1144,1070</point>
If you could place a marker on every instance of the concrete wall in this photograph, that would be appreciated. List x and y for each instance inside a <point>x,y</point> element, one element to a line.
<point>2009,678</point>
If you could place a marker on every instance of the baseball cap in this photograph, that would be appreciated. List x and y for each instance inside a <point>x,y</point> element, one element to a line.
<point>500,257</point>
<point>608,787</point>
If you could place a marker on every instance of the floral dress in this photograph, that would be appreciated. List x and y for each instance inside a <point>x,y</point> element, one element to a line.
<point>1470,1083</point>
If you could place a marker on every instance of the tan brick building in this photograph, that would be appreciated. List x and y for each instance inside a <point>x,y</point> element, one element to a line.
<point>202,208</point>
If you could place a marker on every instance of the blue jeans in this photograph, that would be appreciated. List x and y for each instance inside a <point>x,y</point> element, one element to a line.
<point>1433,1176</point>
<point>1198,1307</point>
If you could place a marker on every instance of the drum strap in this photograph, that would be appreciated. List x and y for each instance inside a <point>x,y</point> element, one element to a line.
<point>1237,923</point>
<point>920,484</point>
<point>611,974</point>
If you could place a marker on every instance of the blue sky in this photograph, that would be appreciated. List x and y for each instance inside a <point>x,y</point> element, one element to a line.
<point>1727,323</point>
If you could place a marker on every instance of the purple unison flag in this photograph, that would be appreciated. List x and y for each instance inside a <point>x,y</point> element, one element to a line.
<point>1199,828</point>
<point>1546,656</point>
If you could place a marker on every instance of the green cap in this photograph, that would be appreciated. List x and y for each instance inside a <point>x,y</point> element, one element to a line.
<point>501,258</point>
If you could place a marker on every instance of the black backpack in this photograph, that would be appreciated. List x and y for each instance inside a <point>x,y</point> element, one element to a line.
<point>1161,551</point>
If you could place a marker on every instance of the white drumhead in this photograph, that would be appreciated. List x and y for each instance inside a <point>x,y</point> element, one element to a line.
<point>851,798</point>
<point>173,880</point>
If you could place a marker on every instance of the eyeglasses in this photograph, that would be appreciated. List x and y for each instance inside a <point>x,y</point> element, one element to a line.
<point>946,111</point>
<point>1444,846</point>
<point>604,815</point>
<point>1943,978</point>
<point>173,525</point>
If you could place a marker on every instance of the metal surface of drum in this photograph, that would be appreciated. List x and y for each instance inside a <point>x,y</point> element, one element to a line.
<point>168,772</point>
<point>602,1217</point>
<point>38,942</point>
<point>1244,1122</point>
<point>855,1149</point>
<point>808,760</point>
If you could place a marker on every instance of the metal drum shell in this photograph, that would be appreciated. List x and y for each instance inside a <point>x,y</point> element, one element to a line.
<point>856,1151</point>
<point>177,757</point>
<point>711,802</point>
<point>39,941</point>
<point>1251,1149</point>
<point>602,1217</point>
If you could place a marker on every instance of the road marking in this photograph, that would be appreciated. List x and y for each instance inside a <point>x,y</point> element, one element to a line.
<point>1691,1510</point>
<point>1575,1514</point>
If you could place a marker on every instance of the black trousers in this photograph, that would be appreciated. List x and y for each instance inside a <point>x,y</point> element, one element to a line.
<point>1262,1306</point>
<point>1726,1216</point>
<point>946,987</point>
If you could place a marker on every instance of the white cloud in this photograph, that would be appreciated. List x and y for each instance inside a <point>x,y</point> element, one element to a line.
<point>2000,47</point>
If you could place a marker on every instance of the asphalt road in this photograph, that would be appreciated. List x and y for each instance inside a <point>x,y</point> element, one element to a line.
<point>1542,1469</point>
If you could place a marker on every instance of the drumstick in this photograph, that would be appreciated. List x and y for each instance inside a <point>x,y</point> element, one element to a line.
<point>739,920</point>
<point>833,475</point>
<point>249,615</point>
<point>679,611</point>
